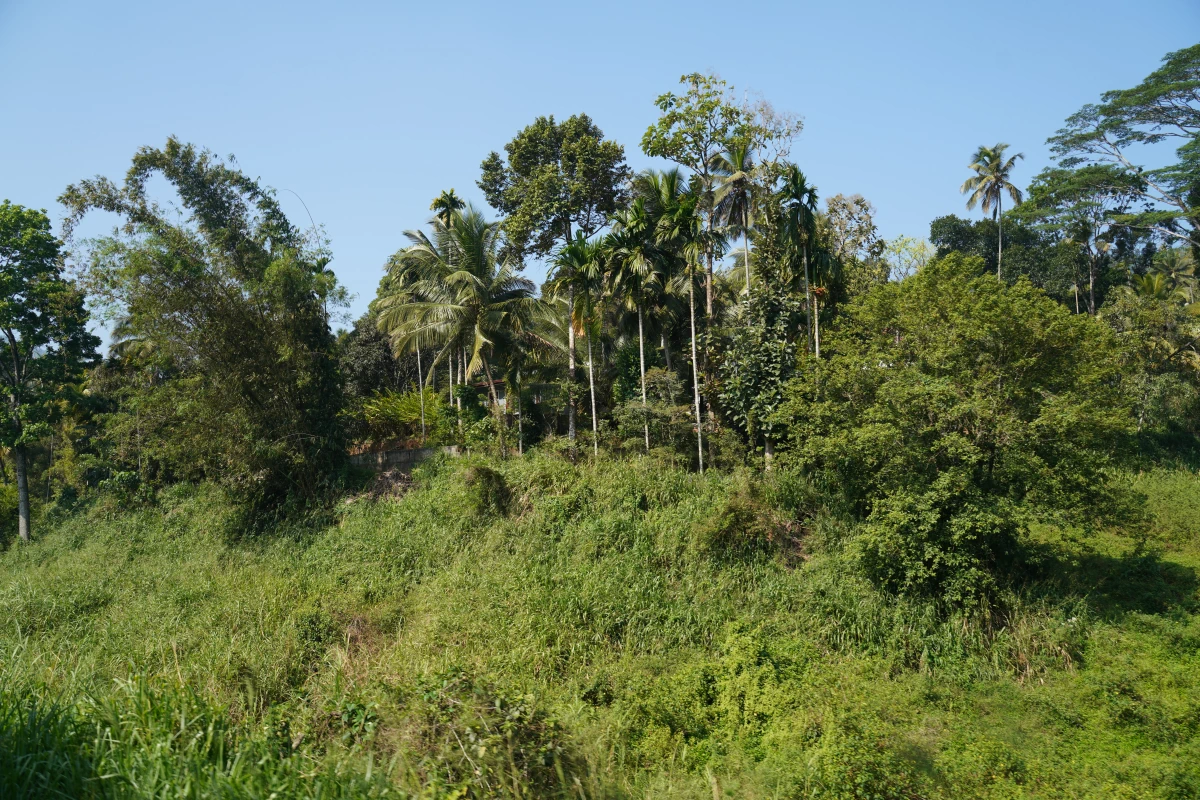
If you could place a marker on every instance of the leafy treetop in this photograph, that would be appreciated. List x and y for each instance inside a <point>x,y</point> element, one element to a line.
<point>557,176</point>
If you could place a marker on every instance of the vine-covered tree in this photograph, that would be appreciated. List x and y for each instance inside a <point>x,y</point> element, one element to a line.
<point>234,297</point>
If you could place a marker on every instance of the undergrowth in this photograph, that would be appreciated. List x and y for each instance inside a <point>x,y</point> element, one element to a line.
<point>531,628</point>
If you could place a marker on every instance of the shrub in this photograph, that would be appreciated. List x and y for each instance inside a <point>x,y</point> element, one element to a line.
<point>487,491</point>
<point>948,541</point>
<point>479,741</point>
<point>949,398</point>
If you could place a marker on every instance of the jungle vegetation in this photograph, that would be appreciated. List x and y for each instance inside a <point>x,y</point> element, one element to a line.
<point>748,501</point>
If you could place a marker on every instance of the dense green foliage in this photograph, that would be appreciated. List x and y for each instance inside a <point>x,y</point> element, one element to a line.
<point>530,628</point>
<point>557,177</point>
<point>46,342</point>
<point>849,518</point>
<point>952,405</point>
<point>262,419</point>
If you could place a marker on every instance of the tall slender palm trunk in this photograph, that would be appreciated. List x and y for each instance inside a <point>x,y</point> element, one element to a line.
<point>642,364</point>
<point>571,368</point>
<point>18,452</point>
<point>746,248</point>
<point>461,357</point>
<point>487,371</point>
<point>808,342</point>
<point>520,420</point>
<point>999,232</point>
<point>1092,264</point>
<point>817,326</point>
<point>592,388</point>
<point>421,388</point>
<point>708,275</point>
<point>696,374</point>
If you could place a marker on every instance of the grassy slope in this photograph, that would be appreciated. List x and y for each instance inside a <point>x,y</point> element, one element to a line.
<point>678,663</point>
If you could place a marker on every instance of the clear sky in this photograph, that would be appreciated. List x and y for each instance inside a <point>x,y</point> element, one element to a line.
<point>368,110</point>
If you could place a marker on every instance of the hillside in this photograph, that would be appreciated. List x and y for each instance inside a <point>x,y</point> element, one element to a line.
<point>532,629</point>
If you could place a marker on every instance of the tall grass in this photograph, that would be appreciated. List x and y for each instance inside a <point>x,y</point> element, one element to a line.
<point>624,629</point>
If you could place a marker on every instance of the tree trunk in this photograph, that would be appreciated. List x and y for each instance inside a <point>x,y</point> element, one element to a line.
<point>696,373</point>
<point>461,356</point>
<point>421,389</point>
<point>520,420</point>
<point>768,453</point>
<point>50,463</point>
<point>22,492</point>
<point>487,371</point>
<point>592,388</point>
<point>642,363</point>
<point>708,276</point>
<point>999,233</point>
<point>746,247</point>
<point>1092,286</point>
<point>662,339</point>
<point>808,302</point>
<point>571,368</point>
<point>817,326</point>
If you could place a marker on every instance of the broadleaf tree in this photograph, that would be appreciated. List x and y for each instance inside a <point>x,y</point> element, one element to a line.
<point>557,179</point>
<point>46,343</point>
<point>1163,108</point>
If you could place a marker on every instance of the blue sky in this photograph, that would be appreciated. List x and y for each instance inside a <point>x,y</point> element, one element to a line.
<point>368,110</point>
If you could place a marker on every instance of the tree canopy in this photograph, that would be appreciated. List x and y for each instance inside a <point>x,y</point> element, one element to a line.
<point>46,345</point>
<point>556,177</point>
<point>262,419</point>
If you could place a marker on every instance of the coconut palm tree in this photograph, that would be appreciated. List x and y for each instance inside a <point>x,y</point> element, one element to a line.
<point>479,301</point>
<point>635,273</point>
<point>577,276</point>
<point>733,197</point>
<point>988,186</point>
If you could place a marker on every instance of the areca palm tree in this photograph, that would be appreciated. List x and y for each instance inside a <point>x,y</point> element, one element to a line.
<point>988,186</point>
<point>826,270</point>
<point>577,275</point>
<point>799,201</point>
<point>733,198</point>
<point>445,206</point>
<point>479,301</point>
<point>635,273</point>
<point>681,230</point>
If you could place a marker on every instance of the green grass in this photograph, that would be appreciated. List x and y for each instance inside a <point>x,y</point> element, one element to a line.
<point>622,630</point>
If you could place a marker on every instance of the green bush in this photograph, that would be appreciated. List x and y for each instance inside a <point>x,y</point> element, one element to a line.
<point>487,491</point>
<point>949,398</point>
<point>477,741</point>
<point>949,542</point>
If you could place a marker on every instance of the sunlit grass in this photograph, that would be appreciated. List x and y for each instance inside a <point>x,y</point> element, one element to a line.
<point>650,635</point>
